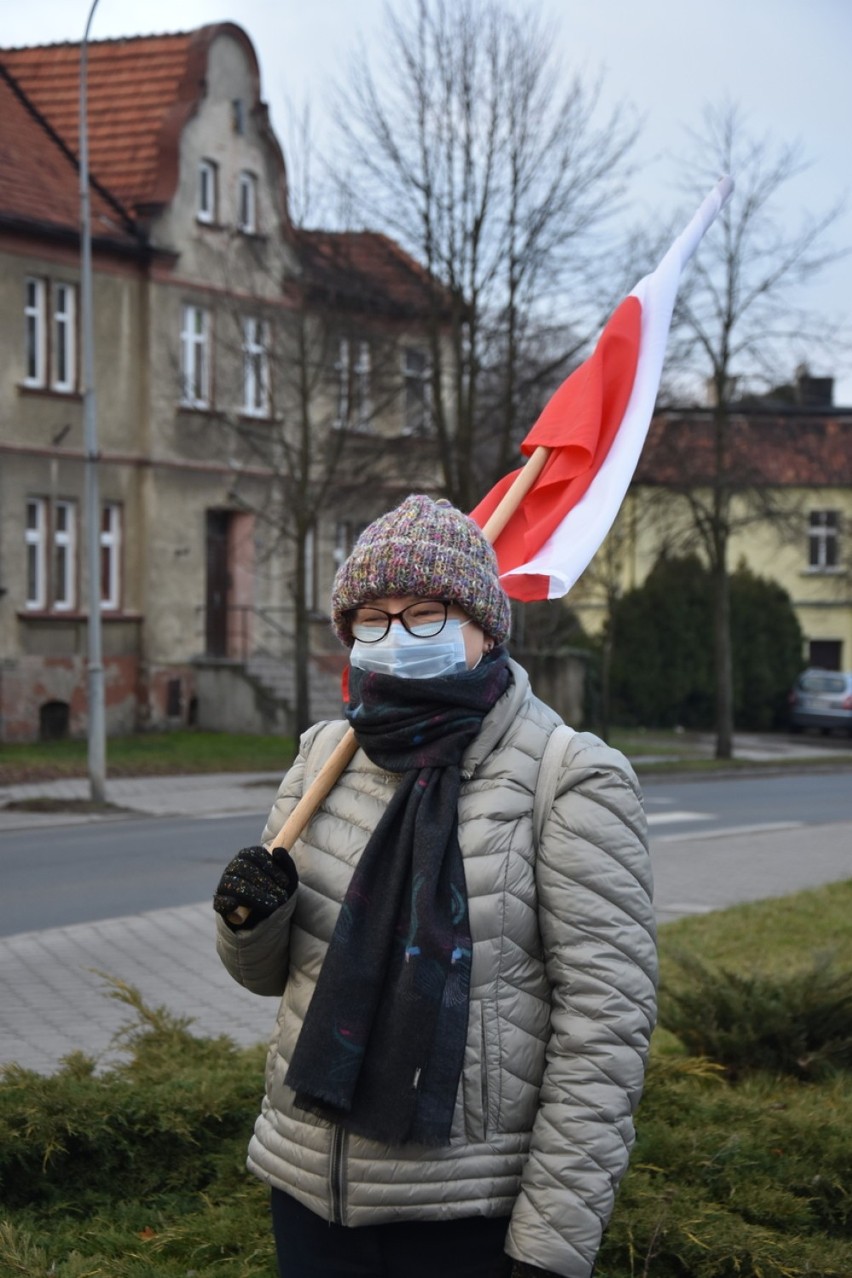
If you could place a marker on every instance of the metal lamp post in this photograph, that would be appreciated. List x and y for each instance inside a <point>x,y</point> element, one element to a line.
<point>97,715</point>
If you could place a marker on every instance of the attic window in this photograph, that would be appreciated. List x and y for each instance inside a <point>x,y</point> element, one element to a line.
<point>247,203</point>
<point>238,115</point>
<point>206,210</point>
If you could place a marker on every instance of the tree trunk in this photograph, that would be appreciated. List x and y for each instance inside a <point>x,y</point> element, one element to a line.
<point>723,665</point>
<point>301,641</point>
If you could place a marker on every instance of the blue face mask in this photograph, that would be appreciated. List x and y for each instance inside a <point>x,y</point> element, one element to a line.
<point>408,657</point>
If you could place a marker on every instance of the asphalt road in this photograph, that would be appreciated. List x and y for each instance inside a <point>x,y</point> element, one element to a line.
<point>111,869</point>
<point>677,807</point>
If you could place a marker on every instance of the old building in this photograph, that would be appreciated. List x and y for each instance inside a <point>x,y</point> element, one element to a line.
<point>249,378</point>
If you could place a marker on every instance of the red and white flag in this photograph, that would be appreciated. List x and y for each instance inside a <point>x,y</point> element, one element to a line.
<point>594,426</point>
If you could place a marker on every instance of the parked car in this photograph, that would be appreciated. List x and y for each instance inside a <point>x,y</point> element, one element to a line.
<point>822,699</point>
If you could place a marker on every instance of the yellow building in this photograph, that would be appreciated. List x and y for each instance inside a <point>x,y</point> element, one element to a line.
<point>784,469</point>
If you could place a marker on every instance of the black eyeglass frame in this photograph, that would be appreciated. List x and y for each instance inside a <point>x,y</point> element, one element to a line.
<point>393,616</point>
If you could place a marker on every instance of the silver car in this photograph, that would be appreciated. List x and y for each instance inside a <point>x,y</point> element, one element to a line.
<point>821,699</point>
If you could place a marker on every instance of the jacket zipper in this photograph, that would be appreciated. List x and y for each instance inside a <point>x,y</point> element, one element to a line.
<point>338,1155</point>
<point>484,1069</point>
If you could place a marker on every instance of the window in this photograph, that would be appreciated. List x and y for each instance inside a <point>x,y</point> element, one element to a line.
<point>194,357</point>
<point>51,554</point>
<point>64,338</point>
<point>207,183</point>
<point>417,392</point>
<point>65,556</point>
<point>362,406</point>
<point>35,538</point>
<point>342,369</point>
<point>50,348</point>
<point>255,368</point>
<point>346,533</point>
<point>353,386</point>
<point>823,539</point>
<point>238,115</point>
<point>247,203</point>
<point>825,654</point>
<point>110,555</point>
<point>36,341</point>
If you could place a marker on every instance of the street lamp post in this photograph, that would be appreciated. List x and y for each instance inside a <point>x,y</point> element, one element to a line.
<point>97,715</point>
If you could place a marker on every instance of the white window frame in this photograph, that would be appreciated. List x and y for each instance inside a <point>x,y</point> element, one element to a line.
<point>195,357</point>
<point>64,346</point>
<point>110,556</point>
<point>416,388</point>
<point>247,202</point>
<point>824,540</point>
<point>363,405</point>
<point>256,385</point>
<point>35,331</point>
<point>35,541</point>
<point>346,533</point>
<point>342,369</point>
<point>208,181</point>
<point>64,577</point>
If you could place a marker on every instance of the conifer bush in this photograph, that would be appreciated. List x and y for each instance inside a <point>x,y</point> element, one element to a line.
<point>741,1166</point>
<point>797,1022</point>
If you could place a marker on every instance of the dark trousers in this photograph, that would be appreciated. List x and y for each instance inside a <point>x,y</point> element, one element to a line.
<point>309,1247</point>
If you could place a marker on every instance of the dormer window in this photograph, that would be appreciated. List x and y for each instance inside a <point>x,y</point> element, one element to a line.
<point>247,203</point>
<point>206,211</point>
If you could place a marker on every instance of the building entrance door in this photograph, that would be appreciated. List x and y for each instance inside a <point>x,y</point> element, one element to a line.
<point>218,583</point>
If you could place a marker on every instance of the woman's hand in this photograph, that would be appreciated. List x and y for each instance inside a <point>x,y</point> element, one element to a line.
<point>258,880</point>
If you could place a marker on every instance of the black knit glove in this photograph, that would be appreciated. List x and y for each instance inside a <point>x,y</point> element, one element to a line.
<point>523,1270</point>
<point>258,879</point>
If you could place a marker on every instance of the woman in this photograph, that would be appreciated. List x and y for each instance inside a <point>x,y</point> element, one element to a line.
<point>465,1007</point>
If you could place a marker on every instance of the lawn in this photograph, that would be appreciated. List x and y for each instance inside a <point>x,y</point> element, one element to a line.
<point>138,1173</point>
<point>149,754</point>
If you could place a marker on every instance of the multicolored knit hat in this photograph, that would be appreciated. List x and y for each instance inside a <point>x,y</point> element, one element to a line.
<point>425,548</point>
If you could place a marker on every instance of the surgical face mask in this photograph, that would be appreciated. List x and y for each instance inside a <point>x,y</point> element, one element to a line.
<point>406,656</point>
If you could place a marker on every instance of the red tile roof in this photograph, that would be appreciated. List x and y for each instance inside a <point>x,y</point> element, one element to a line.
<point>141,91</point>
<point>39,181</point>
<point>365,269</point>
<point>797,448</point>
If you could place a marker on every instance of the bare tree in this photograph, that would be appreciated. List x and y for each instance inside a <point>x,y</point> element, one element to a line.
<point>489,164</point>
<point>316,374</point>
<point>738,323</point>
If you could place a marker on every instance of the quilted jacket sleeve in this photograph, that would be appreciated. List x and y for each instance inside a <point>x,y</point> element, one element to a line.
<point>258,957</point>
<point>598,934</point>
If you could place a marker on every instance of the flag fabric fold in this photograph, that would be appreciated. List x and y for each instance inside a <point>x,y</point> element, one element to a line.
<point>595,426</point>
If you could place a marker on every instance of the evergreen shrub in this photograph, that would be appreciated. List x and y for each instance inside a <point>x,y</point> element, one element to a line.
<point>663,662</point>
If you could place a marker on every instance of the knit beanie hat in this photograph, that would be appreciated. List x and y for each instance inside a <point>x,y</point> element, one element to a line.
<point>426,548</point>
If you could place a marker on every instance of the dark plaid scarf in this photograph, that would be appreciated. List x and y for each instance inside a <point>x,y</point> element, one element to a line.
<point>382,1045</point>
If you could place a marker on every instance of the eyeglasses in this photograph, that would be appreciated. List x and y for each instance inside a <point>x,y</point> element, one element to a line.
<point>423,620</point>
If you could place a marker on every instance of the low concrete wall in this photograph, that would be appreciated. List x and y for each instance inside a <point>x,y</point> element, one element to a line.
<point>559,678</point>
<point>230,701</point>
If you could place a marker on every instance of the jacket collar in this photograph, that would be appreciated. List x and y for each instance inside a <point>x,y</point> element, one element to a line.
<point>497,721</point>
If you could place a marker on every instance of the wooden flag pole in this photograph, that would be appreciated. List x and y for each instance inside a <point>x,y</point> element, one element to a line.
<point>343,753</point>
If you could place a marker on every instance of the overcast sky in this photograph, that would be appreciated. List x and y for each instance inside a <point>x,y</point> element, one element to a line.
<point>785,62</point>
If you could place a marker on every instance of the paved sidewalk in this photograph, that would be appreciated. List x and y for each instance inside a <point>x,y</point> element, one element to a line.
<point>55,997</point>
<point>213,794</point>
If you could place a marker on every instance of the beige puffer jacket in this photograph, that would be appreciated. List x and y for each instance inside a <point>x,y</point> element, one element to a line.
<point>562,998</point>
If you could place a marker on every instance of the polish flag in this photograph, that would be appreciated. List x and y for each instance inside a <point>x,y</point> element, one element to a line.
<point>594,426</point>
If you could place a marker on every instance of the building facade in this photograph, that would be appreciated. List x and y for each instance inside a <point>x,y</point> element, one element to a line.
<point>257,390</point>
